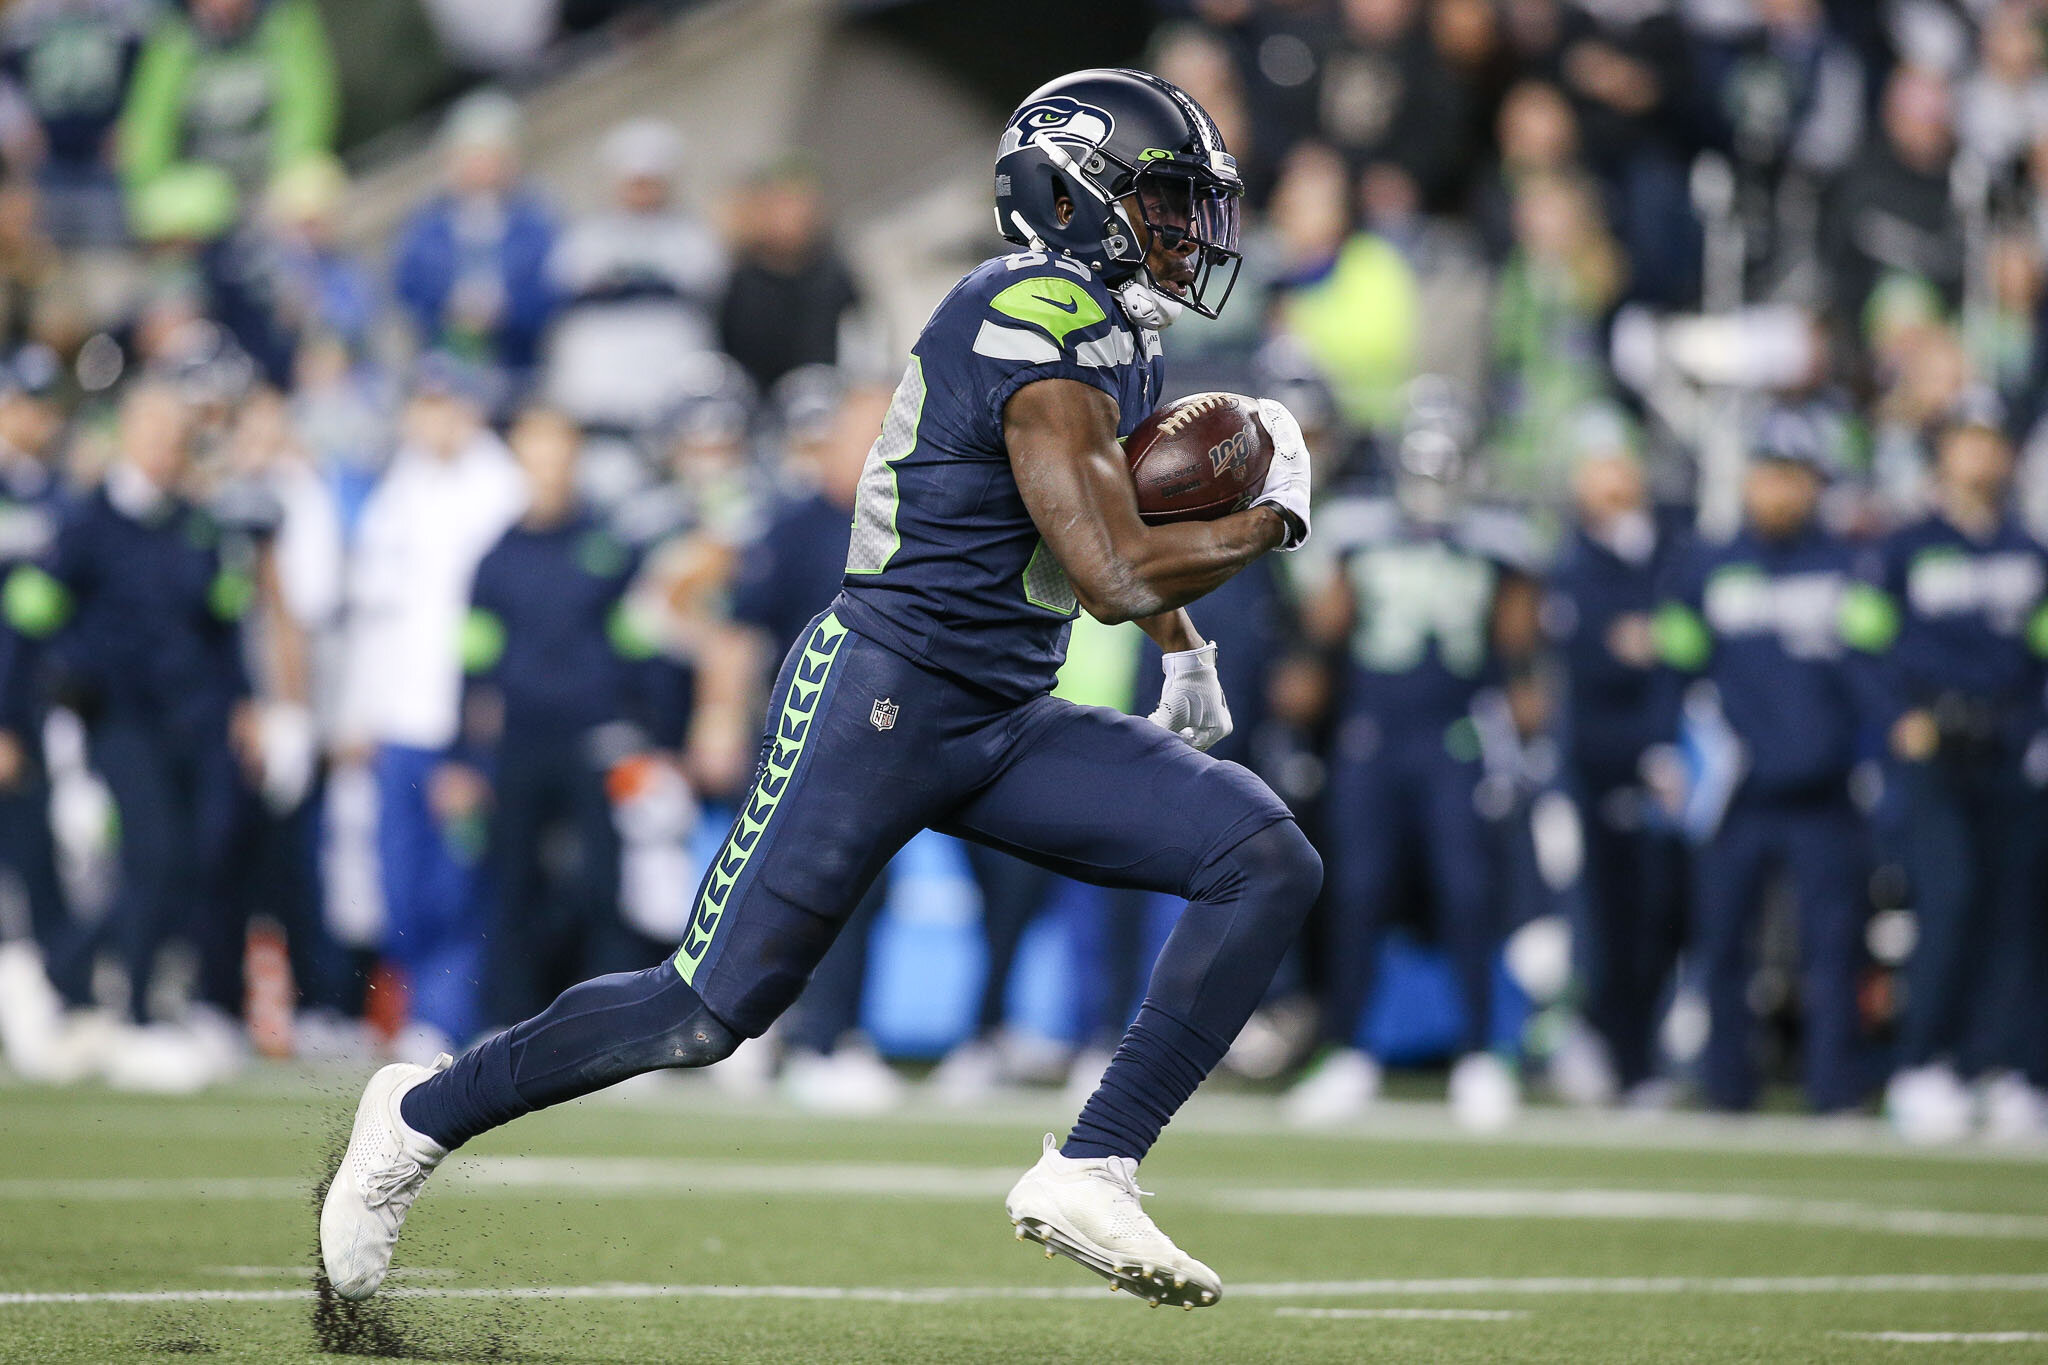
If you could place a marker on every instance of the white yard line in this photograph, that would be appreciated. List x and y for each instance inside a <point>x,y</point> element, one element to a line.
<point>1407,1314</point>
<point>1541,1286</point>
<point>686,1177</point>
<point>1946,1338</point>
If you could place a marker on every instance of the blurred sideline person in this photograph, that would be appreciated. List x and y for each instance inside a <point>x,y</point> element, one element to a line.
<point>1768,618</point>
<point>449,494</point>
<point>1601,600</point>
<point>33,505</point>
<point>472,263</point>
<point>1959,613</point>
<point>640,283</point>
<point>1427,598</point>
<point>553,659</point>
<point>143,615</point>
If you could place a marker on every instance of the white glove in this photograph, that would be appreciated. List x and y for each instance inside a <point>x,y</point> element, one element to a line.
<point>291,747</point>
<point>1191,704</point>
<point>1287,477</point>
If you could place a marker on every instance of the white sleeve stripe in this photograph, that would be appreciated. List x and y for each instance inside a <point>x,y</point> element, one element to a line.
<point>1010,343</point>
<point>1107,352</point>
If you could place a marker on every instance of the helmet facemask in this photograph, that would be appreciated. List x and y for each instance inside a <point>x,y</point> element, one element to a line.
<point>1180,206</point>
<point>1178,203</point>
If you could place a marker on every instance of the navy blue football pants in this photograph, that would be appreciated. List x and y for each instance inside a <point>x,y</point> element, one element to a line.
<point>1632,917</point>
<point>550,928</point>
<point>1974,852</point>
<point>1819,845</point>
<point>1397,793</point>
<point>863,749</point>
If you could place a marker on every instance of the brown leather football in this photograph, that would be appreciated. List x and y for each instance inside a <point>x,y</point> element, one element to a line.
<point>1199,458</point>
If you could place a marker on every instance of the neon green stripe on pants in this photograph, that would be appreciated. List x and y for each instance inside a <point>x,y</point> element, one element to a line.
<point>792,730</point>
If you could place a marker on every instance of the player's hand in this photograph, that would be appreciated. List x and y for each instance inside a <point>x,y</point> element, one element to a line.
<point>1287,477</point>
<point>1191,704</point>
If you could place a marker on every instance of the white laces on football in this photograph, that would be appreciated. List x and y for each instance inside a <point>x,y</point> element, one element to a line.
<point>1150,308</point>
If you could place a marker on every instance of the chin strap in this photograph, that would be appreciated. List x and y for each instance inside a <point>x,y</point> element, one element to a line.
<point>1152,309</point>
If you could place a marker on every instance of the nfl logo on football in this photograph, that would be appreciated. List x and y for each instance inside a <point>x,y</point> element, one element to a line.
<point>883,716</point>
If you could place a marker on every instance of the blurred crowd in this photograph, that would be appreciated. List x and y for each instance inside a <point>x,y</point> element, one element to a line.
<point>384,633</point>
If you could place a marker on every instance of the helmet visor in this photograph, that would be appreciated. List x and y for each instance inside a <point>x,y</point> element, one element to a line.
<point>1183,209</point>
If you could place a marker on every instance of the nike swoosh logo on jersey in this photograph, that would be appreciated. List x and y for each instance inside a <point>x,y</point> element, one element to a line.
<point>1070,306</point>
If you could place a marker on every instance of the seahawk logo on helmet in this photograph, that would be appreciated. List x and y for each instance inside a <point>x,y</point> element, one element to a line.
<point>1067,121</point>
<point>1088,157</point>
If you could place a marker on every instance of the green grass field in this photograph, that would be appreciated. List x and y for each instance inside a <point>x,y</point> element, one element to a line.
<point>668,1224</point>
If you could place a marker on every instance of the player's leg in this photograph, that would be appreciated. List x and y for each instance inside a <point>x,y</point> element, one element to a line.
<point>832,801</point>
<point>1946,880</point>
<point>1731,882</point>
<point>1370,820</point>
<point>1824,851</point>
<point>1461,852</point>
<point>1114,800</point>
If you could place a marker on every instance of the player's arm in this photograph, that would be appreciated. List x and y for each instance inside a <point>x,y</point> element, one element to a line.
<point>1061,435</point>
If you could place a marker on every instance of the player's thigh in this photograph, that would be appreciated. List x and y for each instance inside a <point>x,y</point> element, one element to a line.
<point>833,799</point>
<point>1113,799</point>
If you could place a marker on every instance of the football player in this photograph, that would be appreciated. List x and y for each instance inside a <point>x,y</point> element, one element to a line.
<point>994,507</point>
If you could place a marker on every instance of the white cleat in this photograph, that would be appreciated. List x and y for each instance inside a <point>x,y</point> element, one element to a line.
<point>1087,1210</point>
<point>1337,1089</point>
<point>1929,1106</point>
<point>1484,1095</point>
<point>2015,1113</point>
<point>852,1082</point>
<point>374,1188</point>
<point>967,1075</point>
<point>165,1059</point>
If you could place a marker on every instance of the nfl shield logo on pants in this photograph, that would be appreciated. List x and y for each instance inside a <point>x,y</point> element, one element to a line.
<point>883,716</point>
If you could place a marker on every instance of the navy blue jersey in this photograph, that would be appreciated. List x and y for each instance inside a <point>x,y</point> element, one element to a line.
<point>945,566</point>
<point>144,614</point>
<point>548,628</point>
<point>31,509</point>
<point>1614,705</point>
<point>1422,598</point>
<point>792,570</point>
<point>1961,619</point>
<point>1767,622</point>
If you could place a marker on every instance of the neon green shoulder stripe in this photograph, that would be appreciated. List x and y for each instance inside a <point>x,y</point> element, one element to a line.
<point>1054,303</point>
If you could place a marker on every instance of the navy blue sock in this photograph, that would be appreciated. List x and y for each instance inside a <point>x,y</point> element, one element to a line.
<point>1157,1066</point>
<point>1245,906</point>
<point>594,1035</point>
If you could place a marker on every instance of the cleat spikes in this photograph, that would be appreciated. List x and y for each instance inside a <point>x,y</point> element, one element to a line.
<point>1154,1303</point>
<point>1049,1253</point>
<point>1187,1308</point>
<point>1115,1288</point>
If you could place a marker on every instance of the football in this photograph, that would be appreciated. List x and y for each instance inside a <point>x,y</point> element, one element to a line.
<point>1199,458</point>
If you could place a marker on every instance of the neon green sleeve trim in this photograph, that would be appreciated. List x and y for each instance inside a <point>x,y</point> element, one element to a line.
<point>1052,303</point>
<point>1682,638</point>
<point>483,640</point>
<point>1869,619</point>
<point>2037,631</point>
<point>629,641</point>
<point>34,602</point>
<point>229,595</point>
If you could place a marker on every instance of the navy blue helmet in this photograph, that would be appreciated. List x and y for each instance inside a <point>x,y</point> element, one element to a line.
<point>1098,137</point>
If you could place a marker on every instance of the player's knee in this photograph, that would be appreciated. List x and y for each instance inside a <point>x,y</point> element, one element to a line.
<point>699,1040</point>
<point>1278,860</point>
<point>1281,857</point>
